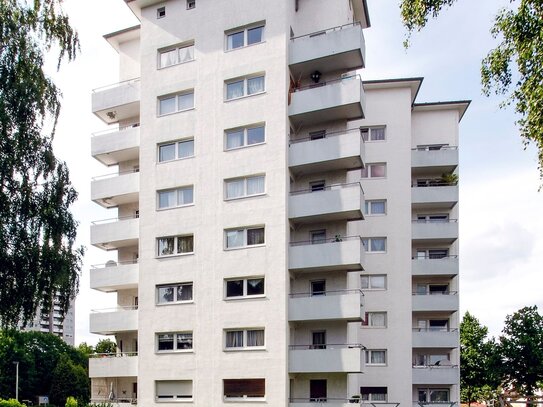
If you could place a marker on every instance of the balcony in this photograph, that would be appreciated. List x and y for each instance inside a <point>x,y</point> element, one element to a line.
<point>444,266</point>
<point>342,150</point>
<point>330,402</point>
<point>111,234</point>
<point>442,161</point>
<point>341,253</point>
<point>114,276</point>
<point>436,302</point>
<point>435,338</point>
<point>328,306</point>
<point>113,365</point>
<point>433,231</point>
<point>343,358</point>
<point>114,146</point>
<point>440,196</point>
<point>114,320</point>
<point>335,49</point>
<point>117,102</point>
<point>339,99</point>
<point>116,189</point>
<point>331,203</point>
<point>436,375</point>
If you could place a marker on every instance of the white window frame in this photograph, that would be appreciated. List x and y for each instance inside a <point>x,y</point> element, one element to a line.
<point>376,400</point>
<point>245,282</point>
<point>245,29</point>
<point>176,300</point>
<point>245,130</point>
<point>369,171</point>
<point>174,350</point>
<point>244,347</point>
<point>368,323</point>
<point>245,79</point>
<point>176,144</point>
<point>369,353</point>
<point>244,245</point>
<point>175,246</point>
<point>368,245</point>
<point>369,278</point>
<point>245,185</point>
<point>177,47</point>
<point>368,207</point>
<point>176,191</point>
<point>174,398</point>
<point>369,131</point>
<point>176,97</point>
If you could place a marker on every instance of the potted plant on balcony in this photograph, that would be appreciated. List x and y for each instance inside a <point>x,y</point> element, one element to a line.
<point>355,399</point>
<point>338,238</point>
<point>449,179</point>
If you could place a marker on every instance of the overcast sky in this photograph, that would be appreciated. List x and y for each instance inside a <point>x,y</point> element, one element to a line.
<point>501,229</point>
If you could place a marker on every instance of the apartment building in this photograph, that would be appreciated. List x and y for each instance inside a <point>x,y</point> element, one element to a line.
<point>54,323</point>
<point>286,233</point>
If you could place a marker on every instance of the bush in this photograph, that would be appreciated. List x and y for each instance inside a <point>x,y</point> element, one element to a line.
<point>11,403</point>
<point>71,402</point>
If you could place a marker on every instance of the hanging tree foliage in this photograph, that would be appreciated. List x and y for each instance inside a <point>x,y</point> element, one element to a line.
<point>513,69</point>
<point>37,230</point>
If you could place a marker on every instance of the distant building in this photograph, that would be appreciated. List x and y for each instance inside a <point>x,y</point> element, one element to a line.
<point>54,324</point>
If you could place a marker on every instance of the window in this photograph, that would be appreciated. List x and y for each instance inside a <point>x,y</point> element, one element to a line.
<point>173,198</point>
<point>191,4</point>
<point>244,339</point>
<point>161,12</point>
<point>437,218</point>
<point>317,135</point>
<point>176,55</point>
<point>315,186</point>
<point>432,289</point>
<point>247,86</point>
<point>373,282</point>
<point>431,360</point>
<point>375,319</point>
<point>318,287</point>
<point>169,246</point>
<point>176,103</point>
<point>244,187</point>
<point>244,388</point>
<point>374,171</point>
<point>318,340</point>
<point>432,253</point>
<point>373,133</point>
<point>433,325</point>
<point>317,236</point>
<point>375,207</point>
<point>172,342</point>
<point>244,287</point>
<point>375,244</point>
<point>373,393</point>
<point>176,150</point>
<point>432,147</point>
<point>172,293</point>
<point>376,357</point>
<point>433,395</point>
<point>244,136</point>
<point>242,37</point>
<point>244,237</point>
<point>167,390</point>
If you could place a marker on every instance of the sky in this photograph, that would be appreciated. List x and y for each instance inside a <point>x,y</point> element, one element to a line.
<point>501,229</point>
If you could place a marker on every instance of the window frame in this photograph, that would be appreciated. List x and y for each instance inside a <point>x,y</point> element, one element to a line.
<point>245,79</point>
<point>176,191</point>
<point>369,287</point>
<point>369,395</point>
<point>368,356</point>
<point>369,131</point>
<point>175,287</point>
<point>161,12</point>
<point>176,47</point>
<point>244,296</point>
<point>245,397</point>
<point>368,321</point>
<point>245,229</point>
<point>174,398</point>
<point>368,171</point>
<point>245,180</point>
<point>176,144</point>
<point>245,29</point>
<point>245,130</point>
<point>428,391</point>
<point>176,97</point>
<point>244,347</point>
<point>174,339</point>
<point>368,207</point>
<point>175,246</point>
<point>368,244</point>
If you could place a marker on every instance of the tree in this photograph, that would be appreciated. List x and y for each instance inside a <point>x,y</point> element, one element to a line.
<point>69,380</point>
<point>514,68</point>
<point>478,361</point>
<point>85,349</point>
<point>106,346</point>
<point>37,230</point>
<point>521,349</point>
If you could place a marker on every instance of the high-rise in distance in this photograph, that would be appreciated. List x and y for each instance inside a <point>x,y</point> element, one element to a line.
<point>286,233</point>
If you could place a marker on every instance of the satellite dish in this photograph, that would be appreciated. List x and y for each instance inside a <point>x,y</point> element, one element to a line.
<point>111,263</point>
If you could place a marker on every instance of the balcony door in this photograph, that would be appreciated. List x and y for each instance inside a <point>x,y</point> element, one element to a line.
<point>318,287</point>
<point>318,340</point>
<point>317,391</point>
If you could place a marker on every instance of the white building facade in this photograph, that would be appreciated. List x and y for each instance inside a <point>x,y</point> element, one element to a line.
<point>54,323</point>
<point>286,234</point>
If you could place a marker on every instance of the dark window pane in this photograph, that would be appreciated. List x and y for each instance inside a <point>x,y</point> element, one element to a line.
<point>234,288</point>
<point>244,387</point>
<point>165,342</point>
<point>255,236</point>
<point>185,149</point>
<point>165,294</point>
<point>255,286</point>
<point>255,135</point>
<point>254,35</point>
<point>184,341</point>
<point>235,40</point>
<point>185,244</point>
<point>166,152</point>
<point>184,292</point>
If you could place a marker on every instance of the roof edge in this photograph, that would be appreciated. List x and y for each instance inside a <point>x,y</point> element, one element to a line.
<point>460,105</point>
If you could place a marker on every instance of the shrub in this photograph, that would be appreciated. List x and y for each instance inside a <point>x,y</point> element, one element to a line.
<point>71,402</point>
<point>11,403</point>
